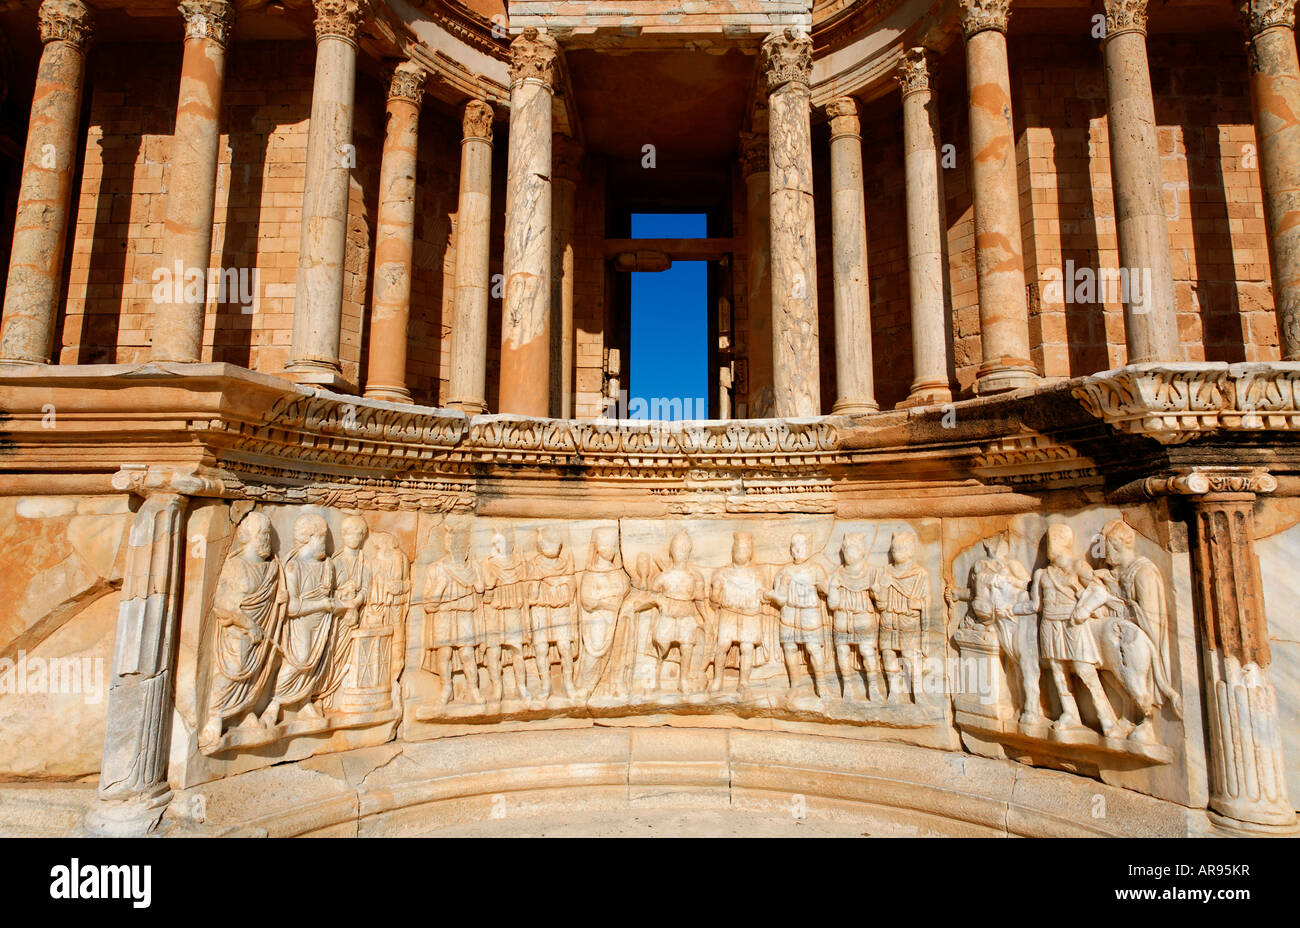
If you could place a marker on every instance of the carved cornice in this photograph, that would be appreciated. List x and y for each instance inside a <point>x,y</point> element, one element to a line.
<point>786,58</point>
<point>913,72</point>
<point>1200,481</point>
<point>1258,15</point>
<point>754,148</point>
<point>339,19</point>
<point>476,122</point>
<point>407,83</point>
<point>843,113</point>
<point>208,19</point>
<point>1125,16</point>
<point>534,56</point>
<point>66,21</point>
<point>983,15</point>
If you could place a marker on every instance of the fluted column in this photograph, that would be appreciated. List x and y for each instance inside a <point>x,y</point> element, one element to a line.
<point>564,183</point>
<point>854,378</point>
<point>1150,320</point>
<point>467,387</point>
<point>395,239</point>
<point>526,315</point>
<point>192,179</point>
<point>925,255</point>
<point>999,255</point>
<point>1275,91</point>
<point>758,271</point>
<point>1247,773</point>
<point>318,301</point>
<point>41,221</point>
<point>787,66</point>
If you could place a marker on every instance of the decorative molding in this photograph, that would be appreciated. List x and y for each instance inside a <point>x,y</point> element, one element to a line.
<point>983,15</point>
<point>534,56</point>
<point>913,72</point>
<point>1258,15</point>
<point>476,123</point>
<point>66,21</point>
<point>786,58</point>
<point>208,19</point>
<point>407,83</point>
<point>339,19</point>
<point>1125,16</point>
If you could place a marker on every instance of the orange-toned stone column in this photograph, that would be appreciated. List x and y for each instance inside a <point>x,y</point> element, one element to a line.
<point>567,160</point>
<point>41,222</point>
<point>1275,91</point>
<point>526,315</point>
<point>467,385</point>
<point>758,271</point>
<point>854,377</point>
<point>924,185</point>
<point>322,241</point>
<point>192,179</point>
<point>395,239</point>
<point>787,66</point>
<point>999,255</point>
<point>1147,279</point>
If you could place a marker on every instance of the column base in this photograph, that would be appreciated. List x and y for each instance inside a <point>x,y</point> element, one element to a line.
<point>389,394</point>
<point>926,395</point>
<point>127,818</point>
<point>1253,829</point>
<point>468,407</point>
<point>854,408</point>
<point>1005,374</point>
<point>319,375</point>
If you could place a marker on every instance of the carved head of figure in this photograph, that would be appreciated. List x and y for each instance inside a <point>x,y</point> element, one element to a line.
<point>253,537</point>
<point>548,542</point>
<point>854,548</point>
<point>1060,543</point>
<point>998,546</point>
<point>1121,543</point>
<point>499,545</point>
<point>604,541</point>
<point>309,535</point>
<point>354,531</point>
<point>742,548</point>
<point>679,549</point>
<point>902,547</point>
<point>800,547</point>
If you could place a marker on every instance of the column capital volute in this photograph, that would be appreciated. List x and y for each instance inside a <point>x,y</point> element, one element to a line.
<point>407,83</point>
<point>983,16</point>
<point>1260,15</point>
<point>913,72</point>
<point>534,56</point>
<point>1211,483</point>
<point>208,19</point>
<point>339,19</point>
<point>786,58</point>
<point>1125,16</point>
<point>753,153</point>
<point>476,121</point>
<point>843,113</point>
<point>66,21</point>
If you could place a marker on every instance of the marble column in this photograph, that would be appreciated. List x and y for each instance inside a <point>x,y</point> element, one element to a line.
<point>395,239</point>
<point>786,58</point>
<point>526,315</point>
<point>564,184</point>
<point>41,221</point>
<point>854,377</point>
<point>467,387</point>
<point>322,242</point>
<point>1275,91</point>
<point>925,252</point>
<point>1247,774</point>
<point>1150,320</point>
<point>999,255</point>
<point>758,271</point>
<point>192,179</point>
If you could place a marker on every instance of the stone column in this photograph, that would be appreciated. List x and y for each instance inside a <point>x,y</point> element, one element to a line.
<point>1247,773</point>
<point>318,301</point>
<point>526,315</point>
<point>41,221</point>
<point>999,255</point>
<point>1151,320</point>
<point>854,377</point>
<point>395,239</point>
<point>925,253</point>
<point>787,65</point>
<point>192,179</point>
<point>133,791</point>
<point>758,268</point>
<point>564,183</point>
<point>467,387</point>
<point>1275,90</point>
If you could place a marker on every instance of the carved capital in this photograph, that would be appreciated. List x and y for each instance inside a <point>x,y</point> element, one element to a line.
<point>566,157</point>
<point>983,15</point>
<point>1200,481</point>
<point>753,153</point>
<point>477,120</point>
<point>66,21</point>
<point>339,19</point>
<point>843,113</point>
<point>407,83</point>
<point>1125,16</point>
<point>208,19</point>
<point>914,71</point>
<point>1258,15</point>
<point>786,58</point>
<point>533,56</point>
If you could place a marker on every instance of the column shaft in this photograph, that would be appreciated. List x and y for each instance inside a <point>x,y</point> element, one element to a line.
<point>758,272</point>
<point>395,239</point>
<point>467,387</point>
<point>41,221</point>
<point>567,161</point>
<point>854,377</point>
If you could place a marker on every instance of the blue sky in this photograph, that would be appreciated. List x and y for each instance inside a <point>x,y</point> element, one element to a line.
<point>670,349</point>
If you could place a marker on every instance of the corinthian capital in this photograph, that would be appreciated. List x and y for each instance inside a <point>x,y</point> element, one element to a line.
<point>753,153</point>
<point>208,19</point>
<point>477,122</point>
<point>66,21</point>
<point>983,15</point>
<point>843,113</point>
<point>1125,16</point>
<point>914,71</point>
<point>407,83</point>
<point>787,58</point>
<point>533,56</point>
<point>1258,15</point>
<point>339,18</point>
